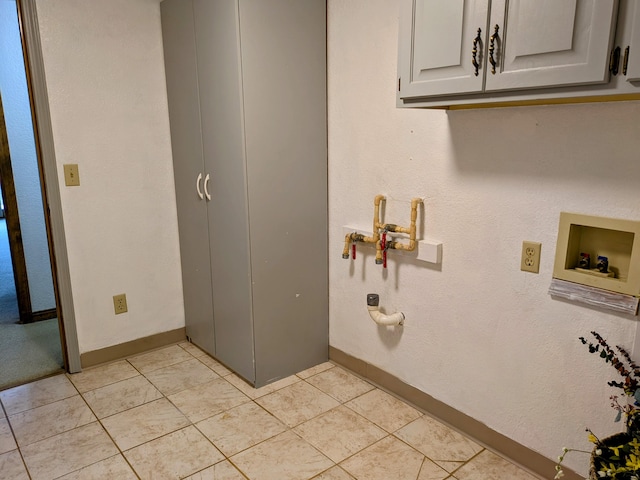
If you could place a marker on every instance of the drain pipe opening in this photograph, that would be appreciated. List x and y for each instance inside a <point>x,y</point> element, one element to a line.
<point>373,301</point>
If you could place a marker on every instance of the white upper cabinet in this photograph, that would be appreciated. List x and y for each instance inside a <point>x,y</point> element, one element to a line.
<point>548,43</point>
<point>629,40</point>
<point>475,50</point>
<point>436,51</point>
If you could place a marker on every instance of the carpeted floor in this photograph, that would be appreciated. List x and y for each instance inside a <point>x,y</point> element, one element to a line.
<point>8,304</point>
<point>27,352</point>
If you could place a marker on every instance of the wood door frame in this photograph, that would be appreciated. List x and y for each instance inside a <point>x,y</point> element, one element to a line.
<point>13,224</point>
<point>43,133</point>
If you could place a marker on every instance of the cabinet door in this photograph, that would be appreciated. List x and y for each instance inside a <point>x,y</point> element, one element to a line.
<point>632,40</point>
<point>186,141</point>
<point>284,66</point>
<point>548,43</point>
<point>436,45</point>
<point>218,46</point>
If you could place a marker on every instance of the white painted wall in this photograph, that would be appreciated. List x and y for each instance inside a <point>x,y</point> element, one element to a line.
<point>480,335</point>
<point>105,75</point>
<point>24,161</point>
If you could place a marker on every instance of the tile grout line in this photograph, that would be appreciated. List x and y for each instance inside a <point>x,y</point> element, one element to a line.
<point>19,447</point>
<point>191,423</point>
<point>99,420</point>
<point>15,440</point>
<point>342,404</point>
<point>254,402</point>
<point>433,417</point>
<point>389,434</point>
<point>194,425</point>
<point>258,405</point>
<point>163,395</point>
<point>249,400</point>
<point>288,428</point>
<point>168,400</point>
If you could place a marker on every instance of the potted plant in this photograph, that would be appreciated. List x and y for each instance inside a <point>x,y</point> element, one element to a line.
<point>618,456</point>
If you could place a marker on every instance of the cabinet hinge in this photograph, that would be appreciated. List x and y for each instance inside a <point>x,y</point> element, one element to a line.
<point>614,61</point>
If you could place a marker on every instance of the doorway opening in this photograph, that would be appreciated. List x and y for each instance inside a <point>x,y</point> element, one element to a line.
<point>30,334</point>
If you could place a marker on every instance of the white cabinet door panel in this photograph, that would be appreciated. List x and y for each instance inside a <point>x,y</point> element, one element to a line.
<point>435,51</point>
<point>632,25</point>
<point>547,43</point>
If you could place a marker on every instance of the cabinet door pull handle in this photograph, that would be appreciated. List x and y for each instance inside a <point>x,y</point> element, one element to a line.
<point>474,52</point>
<point>492,45</point>
<point>198,186</point>
<point>614,61</point>
<point>625,62</point>
<point>206,187</point>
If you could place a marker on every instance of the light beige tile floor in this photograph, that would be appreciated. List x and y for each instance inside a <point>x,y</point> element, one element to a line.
<point>177,413</point>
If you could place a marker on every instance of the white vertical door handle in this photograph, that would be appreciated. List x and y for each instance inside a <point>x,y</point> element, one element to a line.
<point>198,186</point>
<point>206,187</point>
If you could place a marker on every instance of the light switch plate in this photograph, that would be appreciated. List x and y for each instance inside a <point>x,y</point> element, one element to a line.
<point>71,175</point>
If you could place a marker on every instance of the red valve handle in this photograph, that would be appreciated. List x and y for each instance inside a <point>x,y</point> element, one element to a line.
<point>353,250</point>
<point>383,244</point>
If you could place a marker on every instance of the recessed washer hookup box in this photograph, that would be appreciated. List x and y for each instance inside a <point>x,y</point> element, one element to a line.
<point>599,252</point>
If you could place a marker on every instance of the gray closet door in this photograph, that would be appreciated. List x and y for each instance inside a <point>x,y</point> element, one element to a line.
<point>186,140</point>
<point>284,81</point>
<point>246,81</point>
<point>219,75</point>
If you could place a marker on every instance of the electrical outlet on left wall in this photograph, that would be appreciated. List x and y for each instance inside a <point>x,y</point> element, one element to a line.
<point>120,303</point>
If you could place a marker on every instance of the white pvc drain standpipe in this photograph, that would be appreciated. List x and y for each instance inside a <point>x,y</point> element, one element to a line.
<point>373,301</point>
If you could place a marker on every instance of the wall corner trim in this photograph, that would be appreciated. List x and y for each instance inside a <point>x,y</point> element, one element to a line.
<point>524,457</point>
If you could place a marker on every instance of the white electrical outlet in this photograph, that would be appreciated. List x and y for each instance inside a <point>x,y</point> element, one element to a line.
<point>530,260</point>
<point>120,303</point>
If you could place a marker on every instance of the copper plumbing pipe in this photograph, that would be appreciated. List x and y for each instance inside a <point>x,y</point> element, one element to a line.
<point>351,238</point>
<point>376,214</point>
<point>347,241</point>
<point>378,226</point>
<point>411,230</point>
<point>354,237</point>
<point>358,237</point>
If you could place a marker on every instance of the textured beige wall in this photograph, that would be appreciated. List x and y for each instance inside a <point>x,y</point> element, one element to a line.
<point>105,76</point>
<point>480,335</point>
